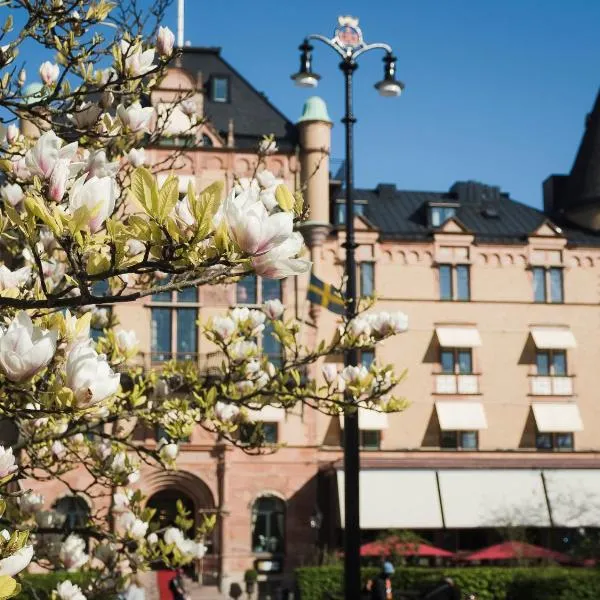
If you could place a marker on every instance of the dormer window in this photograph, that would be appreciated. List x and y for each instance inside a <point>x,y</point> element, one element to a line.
<point>219,91</point>
<point>440,213</point>
<point>340,210</point>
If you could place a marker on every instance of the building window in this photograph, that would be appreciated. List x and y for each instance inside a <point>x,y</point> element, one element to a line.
<point>206,141</point>
<point>454,282</point>
<point>370,439</point>
<point>220,89</point>
<point>252,433</point>
<point>367,279</point>
<point>551,362</point>
<point>548,285</point>
<point>268,525</point>
<point>100,288</point>
<point>554,441</point>
<point>75,511</point>
<point>340,211</point>
<point>438,215</point>
<point>459,440</point>
<point>174,330</point>
<point>367,357</point>
<point>457,361</point>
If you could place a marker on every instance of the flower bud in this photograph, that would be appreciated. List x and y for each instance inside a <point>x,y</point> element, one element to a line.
<point>49,73</point>
<point>165,40</point>
<point>12,133</point>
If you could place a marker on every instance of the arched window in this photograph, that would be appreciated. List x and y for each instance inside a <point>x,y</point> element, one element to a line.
<point>268,525</point>
<point>75,510</point>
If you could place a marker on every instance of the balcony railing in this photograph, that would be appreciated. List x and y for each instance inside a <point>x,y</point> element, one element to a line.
<point>449,383</point>
<point>551,385</point>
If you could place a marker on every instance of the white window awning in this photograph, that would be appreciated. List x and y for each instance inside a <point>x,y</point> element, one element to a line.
<point>396,499</point>
<point>458,337</point>
<point>267,414</point>
<point>556,417</point>
<point>184,180</point>
<point>553,338</point>
<point>574,497</point>
<point>369,420</point>
<point>493,498</point>
<point>461,416</point>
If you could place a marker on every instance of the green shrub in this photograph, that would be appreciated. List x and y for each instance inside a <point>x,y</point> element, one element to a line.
<point>487,583</point>
<point>39,586</point>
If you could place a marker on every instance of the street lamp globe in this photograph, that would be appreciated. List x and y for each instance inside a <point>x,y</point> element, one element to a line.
<point>306,80</point>
<point>389,86</point>
<point>305,77</point>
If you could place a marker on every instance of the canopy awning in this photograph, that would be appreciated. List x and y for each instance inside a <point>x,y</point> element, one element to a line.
<point>393,545</point>
<point>369,420</point>
<point>184,180</point>
<point>574,497</point>
<point>396,499</point>
<point>556,417</point>
<point>553,338</point>
<point>461,416</point>
<point>516,551</point>
<point>453,336</point>
<point>493,498</point>
<point>267,414</point>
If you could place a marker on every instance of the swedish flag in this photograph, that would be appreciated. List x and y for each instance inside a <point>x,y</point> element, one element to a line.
<point>325,295</point>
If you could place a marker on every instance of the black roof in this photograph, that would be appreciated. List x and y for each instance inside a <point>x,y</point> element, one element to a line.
<point>252,113</point>
<point>490,215</point>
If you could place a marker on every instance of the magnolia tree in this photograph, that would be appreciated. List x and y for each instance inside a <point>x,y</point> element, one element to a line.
<point>79,208</point>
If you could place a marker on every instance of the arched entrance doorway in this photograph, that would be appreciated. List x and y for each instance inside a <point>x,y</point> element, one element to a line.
<point>165,504</point>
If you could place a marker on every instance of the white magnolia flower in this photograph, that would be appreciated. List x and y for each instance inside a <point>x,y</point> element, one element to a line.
<point>165,40</point>
<point>384,323</point>
<point>137,157</point>
<point>89,376</point>
<point>152,539</point>
<point>98,165</point>
<point>25,349</point>
<point>19,167</point>
<point>282,261</point>
<point>13,279</point>
<point>136,62</point>
<point>72,553</point>
<point>168,451</point>
<point>58,449</point>
<point>59,179</point>
<point>98,195</point>
<point>86,115</point>
<point>188,107</point>
<point>224,327</point>
<point>121,500</point>
<point>242,350</point>
<point>133,527</point>
<point>134,117</point>
<point>267,146</point>
<point>100,318</point>
<point>184,212</point>
<point>76,330</point>
<point>12,133</point>
<point>274,308</point>
<point>49,72</point>
<point>359,326</point>
<point>69,591</point>
<point>31,502</point>
<point>225,411</point>
<point>330,372</point>
<point>7,462</point>
<point>355,375</point>
<point>48,150</point>
<point>11,193</point>
<point>187,547</point>
<point>22,78</point>
<point>127,341</point>
<point>240,314</point>
<point>15,563</point>
<point>256,318</point>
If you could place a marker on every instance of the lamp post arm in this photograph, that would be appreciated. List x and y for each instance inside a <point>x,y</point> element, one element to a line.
<point>327,42</point>
<point>378,46</point>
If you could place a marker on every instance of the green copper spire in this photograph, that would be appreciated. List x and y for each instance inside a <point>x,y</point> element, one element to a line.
<point>315,109</point>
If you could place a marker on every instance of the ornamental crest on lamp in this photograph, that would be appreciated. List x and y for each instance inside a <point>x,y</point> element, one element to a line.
<point>348,34</point>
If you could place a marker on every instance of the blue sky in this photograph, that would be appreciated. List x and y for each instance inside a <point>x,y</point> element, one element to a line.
<point>495,91</point>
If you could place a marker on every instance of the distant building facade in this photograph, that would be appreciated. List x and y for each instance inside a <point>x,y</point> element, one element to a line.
<point>503,426</point>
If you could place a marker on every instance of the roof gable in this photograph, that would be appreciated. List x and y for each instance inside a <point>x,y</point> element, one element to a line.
<point>547,229</point>
<point>453,225</point>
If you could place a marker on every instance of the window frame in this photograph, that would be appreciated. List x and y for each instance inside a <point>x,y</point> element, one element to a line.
<point>454,291</point>
<point>361,265</point>
<point>443,208</point>
<point>255,512</point>
<point>246,431</point>
<point>548,289</point>
<point>554,445</point>
<point>339,216</point>
<point>220,77</point>
<point>551,360</point>
<point>455,360</point>
<point>458,443</point>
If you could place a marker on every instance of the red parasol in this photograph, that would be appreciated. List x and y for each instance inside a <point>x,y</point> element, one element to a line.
<point>393,546</point>
<point>517,550</point>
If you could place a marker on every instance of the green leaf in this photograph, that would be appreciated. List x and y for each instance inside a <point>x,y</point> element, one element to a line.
<point>205,207</point>
<point>145,191</point>
<point>167,197</point>
<point>80,219</point>
<point>284,197</point>
<point>8,587</point>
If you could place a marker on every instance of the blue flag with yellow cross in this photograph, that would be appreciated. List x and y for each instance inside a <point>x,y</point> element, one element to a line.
<point>324,294</point>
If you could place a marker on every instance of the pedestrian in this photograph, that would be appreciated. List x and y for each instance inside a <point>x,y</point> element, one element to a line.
<point>380,588</point>
<point>134,591</point>
<point>445,590</point>
<point>177,587</point>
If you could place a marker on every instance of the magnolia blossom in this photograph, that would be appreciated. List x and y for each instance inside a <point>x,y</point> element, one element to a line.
<point>268,184</point>
<point>13,279</point>
<point>267,146</point>
<point>25,349</point>
<point>98,195</point>
<point>165,40</point>
<point>359,326</point>
<point>89,376</point>
<point>240,314</point>
<point>282,260</point>
<point>31,502</point>
<point>100,318</point>
<point>105,552</point>
<point>134,247</point>
<point>11,193</point>
<point>274,308</point>
<point>136,62</point>
<point>225,411</point>
<point>72,553</point>
<point>12,133</point>
<point>98,165</point>
<point>7,462</point>
<point>188,107</point>
<point>49,72</point>
<point>330,372</point>
<point>256,318</point>
<point>22,78</point>
<point>223,327</point>
<point>137,157</point>
<point>59,179</point>
<point>134,117</point>
<point>69,591</point>
<point>134,528</point>
<point>187,547</point>
<point>121,466</point>
<point>183,210</point>
<point>86,115</point>
<point>167,450</point>
<point>242,350</point>
<point>385,323</point>
<point>152,539</point>
<point>15,563</point>
<point>121,500</point>
<point>58,449</point>
<point>127,341</point>
<point>48,150</point>
<point>355,375</point>
<point>76,330</point>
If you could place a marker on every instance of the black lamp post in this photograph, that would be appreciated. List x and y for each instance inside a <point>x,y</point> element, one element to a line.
<point>349,45</point>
